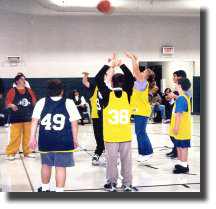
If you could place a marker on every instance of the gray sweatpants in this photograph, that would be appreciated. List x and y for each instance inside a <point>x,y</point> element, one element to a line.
<point>112,149</point>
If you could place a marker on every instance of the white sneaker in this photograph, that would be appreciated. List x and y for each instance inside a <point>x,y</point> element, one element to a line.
<point>163,121</point>
<point>150,121</point>
<point>10,158</point>
<point>30,156</point>
<point>143,158</point>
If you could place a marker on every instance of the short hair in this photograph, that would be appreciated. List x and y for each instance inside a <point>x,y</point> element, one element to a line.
<point>17,78</point>
<point>180,73</point>
<point>54,88</point>
<point>118,80</point>
<point>184,83</point>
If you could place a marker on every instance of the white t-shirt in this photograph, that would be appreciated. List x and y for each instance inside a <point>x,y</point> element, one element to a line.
<point>83,101</point>
<point>70,106</point>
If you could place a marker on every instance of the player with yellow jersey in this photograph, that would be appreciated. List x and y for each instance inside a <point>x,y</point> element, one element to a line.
<point>141,107</point>
<point>180,126</point>
<point>116,124</point>
<point>97,117</point>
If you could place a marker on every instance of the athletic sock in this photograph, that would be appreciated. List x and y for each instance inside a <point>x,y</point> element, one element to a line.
<point>184,164</point>
<point>45,187</point>
<point>59,189</point>
<point>179,162</point>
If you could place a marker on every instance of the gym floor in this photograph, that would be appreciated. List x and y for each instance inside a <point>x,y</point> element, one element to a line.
<point>154,175</point>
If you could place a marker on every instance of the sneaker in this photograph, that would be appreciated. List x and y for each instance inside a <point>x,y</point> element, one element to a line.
<point>40,190</point>
<point>95,160</point>
<point>173,156</point>
<point>110,187</point>
<point>181,169</point>
<point>151,121</point>
<point>10,158</point>
<point>30,156</point>
<point>169,154</point>
<point>127,188</point>
<point>167,120</point>
<point>143,158</point>
<point>177,166</point>
<point>163,121</point>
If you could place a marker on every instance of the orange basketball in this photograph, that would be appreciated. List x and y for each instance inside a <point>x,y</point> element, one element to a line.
<point>104,7</point>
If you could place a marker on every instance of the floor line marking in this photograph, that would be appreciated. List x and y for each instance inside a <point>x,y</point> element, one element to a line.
<point>28,177</point>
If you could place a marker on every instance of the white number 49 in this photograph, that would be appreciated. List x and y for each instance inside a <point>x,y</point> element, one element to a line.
<point>57,124</point>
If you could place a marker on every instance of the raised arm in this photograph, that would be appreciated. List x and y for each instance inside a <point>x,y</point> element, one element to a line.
<point>137,74</point>
<point>85,79</point>
<point>99,79</point>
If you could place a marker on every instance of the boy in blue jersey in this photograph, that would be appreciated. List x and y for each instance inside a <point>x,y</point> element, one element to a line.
<point>57,134</point>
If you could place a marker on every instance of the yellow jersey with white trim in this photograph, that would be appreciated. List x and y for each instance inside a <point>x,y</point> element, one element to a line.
<point>116,119</point>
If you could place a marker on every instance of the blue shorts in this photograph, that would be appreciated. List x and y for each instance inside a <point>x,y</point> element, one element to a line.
<point>182,143</point>
<point>58,159</point>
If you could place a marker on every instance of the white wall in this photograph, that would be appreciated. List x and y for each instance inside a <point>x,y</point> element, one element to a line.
<point>64,46</point>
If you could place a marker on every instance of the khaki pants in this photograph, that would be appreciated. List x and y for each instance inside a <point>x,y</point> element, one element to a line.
<point>19,131</point>
<point>112,149</point>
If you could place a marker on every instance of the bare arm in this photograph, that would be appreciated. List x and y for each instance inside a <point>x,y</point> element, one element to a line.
<point>74,126</point>
<point>85,79</point>
<point>137,74</point>
<point>177,121</point>
<point>33,141</point>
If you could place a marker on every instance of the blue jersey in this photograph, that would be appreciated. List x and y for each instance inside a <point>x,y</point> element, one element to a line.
<point>55,133</point>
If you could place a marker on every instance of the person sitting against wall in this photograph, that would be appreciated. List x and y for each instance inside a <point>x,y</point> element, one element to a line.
<point>80,102</point>
<point>156,105</point>
<point>168,103</point>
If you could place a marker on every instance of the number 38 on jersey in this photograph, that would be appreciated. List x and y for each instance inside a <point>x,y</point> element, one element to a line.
<point>118,117</point>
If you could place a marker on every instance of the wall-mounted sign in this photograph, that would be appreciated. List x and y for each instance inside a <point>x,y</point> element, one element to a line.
<point>168,50</point>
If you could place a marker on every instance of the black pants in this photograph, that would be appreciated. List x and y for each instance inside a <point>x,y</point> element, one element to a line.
<point>174,150</point>
<point>98,133</point>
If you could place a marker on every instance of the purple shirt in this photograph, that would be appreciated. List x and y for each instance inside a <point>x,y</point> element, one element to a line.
<point>140,86</point>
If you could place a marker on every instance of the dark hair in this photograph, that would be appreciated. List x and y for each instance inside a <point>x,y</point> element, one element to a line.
<point>166,90</point>
<point>54,88</point>
<point>118,80</point>
<point>17,78</point>
<point>184,83</point>
<point>176,93</point>
<point>180,73</point>
<point>73,93</point>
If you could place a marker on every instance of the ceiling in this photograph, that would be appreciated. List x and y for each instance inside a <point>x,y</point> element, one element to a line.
<point>70,7</point>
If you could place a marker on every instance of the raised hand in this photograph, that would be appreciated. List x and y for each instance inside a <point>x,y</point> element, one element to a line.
<point>130,55</point>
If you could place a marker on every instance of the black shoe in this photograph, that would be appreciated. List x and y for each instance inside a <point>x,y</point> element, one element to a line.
<point>169,153</point>
<point>95,160</point>
<point>127,188</point>
<point>173,156</point>
<point>40,190</point>
<point>177,166</point>
<point>181,169</point>
<point>110,187</point>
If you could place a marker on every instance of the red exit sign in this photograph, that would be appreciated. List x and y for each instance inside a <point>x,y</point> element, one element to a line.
<point>168,50</point>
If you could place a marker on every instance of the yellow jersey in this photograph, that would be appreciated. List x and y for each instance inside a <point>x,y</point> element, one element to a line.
<point>184,129</point>
<point>116,119</point>
<point>140,103</point>
<point>93,100</point>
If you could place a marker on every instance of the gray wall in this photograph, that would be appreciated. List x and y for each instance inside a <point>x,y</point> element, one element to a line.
<point>64,46</point>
